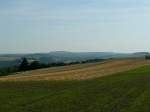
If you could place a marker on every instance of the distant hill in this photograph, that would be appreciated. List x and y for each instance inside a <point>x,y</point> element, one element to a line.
<point>7,60</point>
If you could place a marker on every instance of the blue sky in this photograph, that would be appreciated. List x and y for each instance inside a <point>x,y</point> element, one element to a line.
<point>74,25</point>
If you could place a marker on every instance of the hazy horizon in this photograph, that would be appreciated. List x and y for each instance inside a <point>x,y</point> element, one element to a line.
<point>35,26</point>
<point>22,53</point>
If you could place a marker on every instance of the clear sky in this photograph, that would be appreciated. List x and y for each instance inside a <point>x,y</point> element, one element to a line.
<point>74,25</point>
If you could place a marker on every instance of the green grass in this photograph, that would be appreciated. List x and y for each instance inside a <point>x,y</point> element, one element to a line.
<point>123,92</point>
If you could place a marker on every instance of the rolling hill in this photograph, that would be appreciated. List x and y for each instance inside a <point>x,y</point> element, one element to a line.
<point>8,60</point>
<point>79,71</point>
<point>112,86</point>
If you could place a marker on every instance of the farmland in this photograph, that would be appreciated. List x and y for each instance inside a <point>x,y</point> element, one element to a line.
<point>79,71</point>
<point>124,90</point>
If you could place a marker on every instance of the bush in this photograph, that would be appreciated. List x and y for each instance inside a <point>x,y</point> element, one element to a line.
<point>24,65</point>
<point>147,57</point>
<point>8,70</point>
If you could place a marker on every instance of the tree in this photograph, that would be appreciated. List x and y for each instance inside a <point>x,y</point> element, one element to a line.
<point>24,65</point>
<point>35,65</point>
<point>147,57</point>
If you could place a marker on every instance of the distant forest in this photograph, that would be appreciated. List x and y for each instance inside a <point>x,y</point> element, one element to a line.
<point>27,64</point>
<point>33,65</point>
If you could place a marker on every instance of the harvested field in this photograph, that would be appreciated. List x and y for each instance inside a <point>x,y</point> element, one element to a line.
<point>123,92</point>
<point>78,72</point>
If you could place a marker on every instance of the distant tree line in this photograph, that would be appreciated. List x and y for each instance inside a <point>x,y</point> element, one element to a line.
<point>8,70</point>
<point>147,57</point>
<point>25,65</point>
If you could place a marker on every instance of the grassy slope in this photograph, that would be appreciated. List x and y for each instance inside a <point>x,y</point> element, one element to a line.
<point>78,72</point>
<point>123,92</point>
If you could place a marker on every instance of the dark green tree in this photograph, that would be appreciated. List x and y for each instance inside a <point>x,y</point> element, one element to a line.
<point>147,57</point>
<point>24,65</point>
<point>35,65</point>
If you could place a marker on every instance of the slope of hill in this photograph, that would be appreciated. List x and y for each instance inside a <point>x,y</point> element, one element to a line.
<point>122,92</point>
<point>63,56</point>
<point>80,71</point>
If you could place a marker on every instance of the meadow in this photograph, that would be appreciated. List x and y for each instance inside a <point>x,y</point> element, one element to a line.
<point>127,91</point>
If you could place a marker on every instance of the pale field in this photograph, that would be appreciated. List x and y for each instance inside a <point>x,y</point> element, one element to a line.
<point>79,71</point>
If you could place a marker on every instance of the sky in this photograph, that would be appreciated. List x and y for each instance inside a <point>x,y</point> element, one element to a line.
<point>30,26</point>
